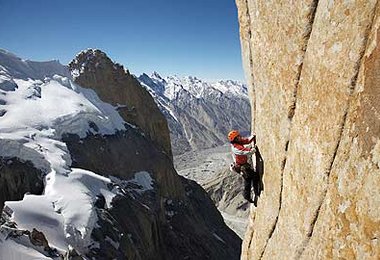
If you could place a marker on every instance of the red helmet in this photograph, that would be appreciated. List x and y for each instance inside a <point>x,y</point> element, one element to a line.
<point>233,134</point>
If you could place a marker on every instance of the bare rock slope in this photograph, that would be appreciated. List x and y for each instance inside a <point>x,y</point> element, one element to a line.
<point>313,68</point>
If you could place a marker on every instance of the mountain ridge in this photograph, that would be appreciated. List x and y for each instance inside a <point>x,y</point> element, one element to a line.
<point>199,113</point>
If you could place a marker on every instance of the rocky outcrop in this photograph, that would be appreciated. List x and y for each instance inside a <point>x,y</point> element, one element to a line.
<point>115,85</point>
<point>18,178</point>
<point>122,155</point>
<point>26,239</point>
<point>312,69</point>
<point>226,191</point>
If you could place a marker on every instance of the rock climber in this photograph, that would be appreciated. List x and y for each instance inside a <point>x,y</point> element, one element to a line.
<point>240,153</point>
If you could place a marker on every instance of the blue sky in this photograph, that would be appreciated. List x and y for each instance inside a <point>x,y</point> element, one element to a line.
<point>183,37</point>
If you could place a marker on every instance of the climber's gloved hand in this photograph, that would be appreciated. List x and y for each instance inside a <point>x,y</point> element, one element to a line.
<point>253,135</point>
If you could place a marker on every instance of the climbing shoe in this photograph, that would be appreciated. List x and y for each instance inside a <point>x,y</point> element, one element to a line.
<point>249,200</point>
<point>255,201</point>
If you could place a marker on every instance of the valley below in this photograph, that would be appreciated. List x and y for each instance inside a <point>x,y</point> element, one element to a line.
<point>210,168</point>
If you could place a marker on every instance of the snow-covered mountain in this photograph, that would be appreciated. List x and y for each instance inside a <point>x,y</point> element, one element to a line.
<point>78,180</point>
<point>199,113</point>
<point>38,106</point>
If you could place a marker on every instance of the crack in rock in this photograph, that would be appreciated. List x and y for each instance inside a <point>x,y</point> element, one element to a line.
<point>291,113</point>
<point>341,129</point>
<point>252,86</point>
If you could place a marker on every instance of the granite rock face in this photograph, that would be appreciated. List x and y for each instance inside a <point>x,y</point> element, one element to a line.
<point>313,70</point>
<point>115,85</point>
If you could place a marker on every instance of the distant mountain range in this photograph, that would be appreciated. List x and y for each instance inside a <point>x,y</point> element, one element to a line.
<point>199,113</point>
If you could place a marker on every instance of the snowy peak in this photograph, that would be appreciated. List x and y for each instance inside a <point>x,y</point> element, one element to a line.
<point>39,105</point>
<point>199,113</point>
<point>91,59</point>
<point>170,86</point>
<point>155,75</point>
<point>232,87</point>
<point>192,80</point>
<point>13,66</point>
<point>89,54</point>
<point>153,83</point>
<point>55,106</point>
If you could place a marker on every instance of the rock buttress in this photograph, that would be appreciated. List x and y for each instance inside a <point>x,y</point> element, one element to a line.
<point>114,85</point>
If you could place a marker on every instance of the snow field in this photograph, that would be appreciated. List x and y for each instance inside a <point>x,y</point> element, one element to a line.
<point>38,112</point>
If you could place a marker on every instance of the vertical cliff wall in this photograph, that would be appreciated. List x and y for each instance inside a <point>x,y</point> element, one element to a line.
<point>313,71</point>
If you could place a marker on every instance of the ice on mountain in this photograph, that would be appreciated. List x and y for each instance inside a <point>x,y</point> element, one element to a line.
<point>170,86</point>
<point>231,87</point>
<point>75,73</point>
<point>77,106</point>
<point>9,249</point>
<point>156,75</point>
<point>144,180</point>
<point>140,183</point>
<point>21,69</point>
<point>63,80</point>
<point>44,106</point>
<point>46,109</point>
<point>7,84</point>
<point>167,108</point>
<point>15,148</point>
<point>37,211</point>
<point>156,83</point>
<point>65,213</point>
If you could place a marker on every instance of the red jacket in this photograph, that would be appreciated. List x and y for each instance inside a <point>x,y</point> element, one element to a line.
<point>240,152</point>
